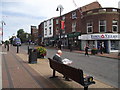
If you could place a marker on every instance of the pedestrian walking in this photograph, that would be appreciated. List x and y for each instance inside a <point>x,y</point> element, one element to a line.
<point>59,44</point>
<point>101,48</point>
<point>86,50</point>
<point>7,45</point>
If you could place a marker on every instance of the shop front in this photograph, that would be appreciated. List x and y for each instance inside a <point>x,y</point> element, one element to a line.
<point>110,41</point>
<point>64,41</point>
<point>51,41</point>
<point>73,40</point>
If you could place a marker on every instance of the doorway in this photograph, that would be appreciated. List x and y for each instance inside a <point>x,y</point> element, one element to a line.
<point>104,44</point>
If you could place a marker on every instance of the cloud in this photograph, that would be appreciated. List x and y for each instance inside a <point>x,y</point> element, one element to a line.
<point>23,13</point>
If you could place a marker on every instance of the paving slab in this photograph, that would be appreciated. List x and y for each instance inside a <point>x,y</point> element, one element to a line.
<point>43,68</point>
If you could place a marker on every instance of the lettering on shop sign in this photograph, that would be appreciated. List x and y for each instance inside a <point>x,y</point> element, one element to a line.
<point>104,36</point>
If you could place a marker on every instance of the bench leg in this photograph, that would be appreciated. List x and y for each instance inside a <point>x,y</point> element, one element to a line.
<point>86,88</point>
<point>53,74</point>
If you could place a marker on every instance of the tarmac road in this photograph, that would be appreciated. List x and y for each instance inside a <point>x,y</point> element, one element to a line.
<point>103,69</point>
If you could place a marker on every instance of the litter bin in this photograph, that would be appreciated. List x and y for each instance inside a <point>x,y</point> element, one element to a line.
<point>32,56</point>
<point>29,50</point>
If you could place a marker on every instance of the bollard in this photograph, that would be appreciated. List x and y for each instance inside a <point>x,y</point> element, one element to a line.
<point>28,49</point>
<point>86,88</point>
<point>7,47</point>
<point>17,48</point>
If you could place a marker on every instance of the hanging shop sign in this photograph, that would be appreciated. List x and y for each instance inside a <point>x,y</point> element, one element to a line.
<point>75,34</point>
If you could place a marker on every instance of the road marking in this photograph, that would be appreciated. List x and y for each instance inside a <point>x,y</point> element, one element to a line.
<point>3,52</point>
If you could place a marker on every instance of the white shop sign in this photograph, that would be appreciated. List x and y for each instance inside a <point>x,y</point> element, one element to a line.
<point>100,36</point>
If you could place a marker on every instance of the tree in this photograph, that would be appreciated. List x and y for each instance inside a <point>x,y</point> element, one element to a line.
<point>20,32</point>
<point>22,35</point>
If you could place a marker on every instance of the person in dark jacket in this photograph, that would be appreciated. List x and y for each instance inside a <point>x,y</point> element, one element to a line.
<point>58,58</point>
<point>86,50</point>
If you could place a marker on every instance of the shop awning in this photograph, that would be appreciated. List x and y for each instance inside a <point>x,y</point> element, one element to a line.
<point>53,38</point>
<point>75,34</point>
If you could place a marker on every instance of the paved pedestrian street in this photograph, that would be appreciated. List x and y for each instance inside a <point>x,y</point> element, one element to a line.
<point>18,73</point>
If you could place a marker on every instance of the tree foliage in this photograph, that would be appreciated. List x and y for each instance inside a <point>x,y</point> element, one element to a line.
<point>23,35</point>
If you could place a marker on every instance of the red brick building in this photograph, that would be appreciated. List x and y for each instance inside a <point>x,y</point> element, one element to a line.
<point>90,24</point>
<point>73,27</point>
<point>40,33</point>
<point>34,34</point>
<point>101,26</point>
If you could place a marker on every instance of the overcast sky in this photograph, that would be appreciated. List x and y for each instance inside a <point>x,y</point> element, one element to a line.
<point>21,14</point>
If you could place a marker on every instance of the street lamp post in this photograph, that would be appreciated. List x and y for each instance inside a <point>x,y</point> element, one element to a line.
<point>60,8</point>
<point>3,23</point>
<point>28,42</point>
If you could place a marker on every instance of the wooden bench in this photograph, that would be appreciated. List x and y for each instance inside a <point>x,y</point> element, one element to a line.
<point>72,73</point>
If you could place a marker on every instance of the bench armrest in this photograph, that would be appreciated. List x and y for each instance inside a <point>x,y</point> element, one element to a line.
<point>88,81</point>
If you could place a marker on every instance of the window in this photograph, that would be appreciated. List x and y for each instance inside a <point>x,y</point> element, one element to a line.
<point>115,26</point>
<point>102,10</point>
<point>57,21</point>
<point>73,26</point>
<point>89,27</point>
<point>102,26</point>
<point>114,45</point>
<point>63,18</point>
<point>45,24</point>
<point>50,22</point>
<point>50,31</point>
<point>57,31</point>
<point>74,16</point>
<point>114,10</point>
<point>45,31</point>
<point>89,12</point>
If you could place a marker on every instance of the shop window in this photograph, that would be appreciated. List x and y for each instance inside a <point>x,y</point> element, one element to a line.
<point>115,26</point>
<point>102,26</point>
<point>114,45</point>
<point>91,44</point>
<point>89,27</point>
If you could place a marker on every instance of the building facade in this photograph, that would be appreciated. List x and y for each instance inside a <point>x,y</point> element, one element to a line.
<point>72,26</point>
<point>40,33</point>
<point>48,31</point>
<point>89,25</point>
<point>101,26</point>
<point>34,34</point>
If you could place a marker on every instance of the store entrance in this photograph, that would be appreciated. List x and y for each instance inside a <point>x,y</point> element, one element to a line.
<point>74,43</point>
<point>104,44</point>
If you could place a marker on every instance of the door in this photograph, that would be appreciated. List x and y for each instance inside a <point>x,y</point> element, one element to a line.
<point>104,44</point>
